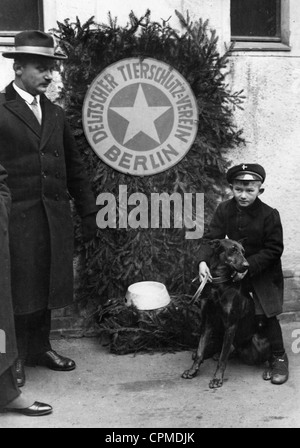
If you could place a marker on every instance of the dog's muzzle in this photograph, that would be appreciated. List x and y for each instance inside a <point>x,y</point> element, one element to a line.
<point>240,268</point>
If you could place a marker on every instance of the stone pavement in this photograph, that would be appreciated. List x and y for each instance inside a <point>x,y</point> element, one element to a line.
<point>147,391</point>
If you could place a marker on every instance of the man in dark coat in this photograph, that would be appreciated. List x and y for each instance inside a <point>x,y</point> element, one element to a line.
<point>44,172</point>
<point>247,218</point>
<point>10,395</point>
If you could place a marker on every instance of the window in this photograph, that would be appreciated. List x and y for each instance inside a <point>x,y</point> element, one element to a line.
<point>255,19</point>
<point>257,24</point>
<point>19,15</point>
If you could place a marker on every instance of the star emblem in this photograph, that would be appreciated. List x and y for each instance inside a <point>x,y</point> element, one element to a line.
<point>141,117</point>
<point>244,167</point>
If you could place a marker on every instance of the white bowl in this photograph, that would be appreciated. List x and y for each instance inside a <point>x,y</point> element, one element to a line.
<point>147,295</point>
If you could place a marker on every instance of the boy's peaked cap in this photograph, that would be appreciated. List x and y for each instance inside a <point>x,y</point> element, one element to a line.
<point>246,172</point>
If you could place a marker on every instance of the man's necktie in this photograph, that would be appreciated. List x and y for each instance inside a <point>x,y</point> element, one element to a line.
<point>36,110</point>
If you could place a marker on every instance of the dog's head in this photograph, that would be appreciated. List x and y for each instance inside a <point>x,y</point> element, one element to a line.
<point>231,253</point>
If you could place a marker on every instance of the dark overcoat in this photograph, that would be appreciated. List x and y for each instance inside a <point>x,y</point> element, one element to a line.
<point>8,348</point>
<point>44,171</point>
<point>261,227</point>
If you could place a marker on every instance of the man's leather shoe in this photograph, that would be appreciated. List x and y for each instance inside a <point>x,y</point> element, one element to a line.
<point>20,372</point>
<point>278,370</point>
<point>54,361</point>
<point>36,410</point>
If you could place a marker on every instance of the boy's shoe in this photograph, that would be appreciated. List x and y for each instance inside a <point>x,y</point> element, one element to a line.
<point>278,370</point>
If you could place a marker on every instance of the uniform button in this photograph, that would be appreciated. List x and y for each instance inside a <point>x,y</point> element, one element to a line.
<point>57,197</point>
<point>56,153</point>
<point>44,174</point>
<point>42,153</point>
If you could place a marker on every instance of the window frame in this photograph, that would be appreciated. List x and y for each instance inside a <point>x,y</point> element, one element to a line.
<point>7,37</point>
<point>266,43</point>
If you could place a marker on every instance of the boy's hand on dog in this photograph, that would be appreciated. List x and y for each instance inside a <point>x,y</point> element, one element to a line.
<point>204,272</point>
<point>238,276</point>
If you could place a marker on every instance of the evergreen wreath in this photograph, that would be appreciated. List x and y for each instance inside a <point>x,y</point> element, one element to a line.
<point>117,258</point>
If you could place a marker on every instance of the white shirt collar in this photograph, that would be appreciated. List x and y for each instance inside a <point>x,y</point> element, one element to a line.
<point>25,95</point>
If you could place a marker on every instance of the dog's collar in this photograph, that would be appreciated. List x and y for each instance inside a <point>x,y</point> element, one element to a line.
<point>216,280</point>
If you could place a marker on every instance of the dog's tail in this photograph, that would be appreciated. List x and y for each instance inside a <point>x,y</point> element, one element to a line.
<point>255,351</point>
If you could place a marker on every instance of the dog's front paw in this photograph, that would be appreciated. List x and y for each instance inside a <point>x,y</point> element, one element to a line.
<point>215,382</point>
<point>189,374</point>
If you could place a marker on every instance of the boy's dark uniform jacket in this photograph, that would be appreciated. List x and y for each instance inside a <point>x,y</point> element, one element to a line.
<point>44,171</point>
<point>6,309</point>
<point>261,226</point>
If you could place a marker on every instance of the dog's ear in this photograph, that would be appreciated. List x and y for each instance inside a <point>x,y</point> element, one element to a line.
<point>215,244</point>
<point>242,241</point>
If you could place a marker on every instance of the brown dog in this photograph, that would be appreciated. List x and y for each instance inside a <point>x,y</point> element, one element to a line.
<point>223,300</point>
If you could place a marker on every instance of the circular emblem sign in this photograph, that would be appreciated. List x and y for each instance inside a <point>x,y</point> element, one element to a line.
<point>140,116</point>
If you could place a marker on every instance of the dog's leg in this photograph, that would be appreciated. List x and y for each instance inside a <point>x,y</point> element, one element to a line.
<point>199,355</point>
<point>217,380</point>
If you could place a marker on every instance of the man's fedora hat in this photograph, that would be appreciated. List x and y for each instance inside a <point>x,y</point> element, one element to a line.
<point>34,43</point>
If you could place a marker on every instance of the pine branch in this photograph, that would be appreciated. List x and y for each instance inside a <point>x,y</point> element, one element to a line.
<point>119,257</point>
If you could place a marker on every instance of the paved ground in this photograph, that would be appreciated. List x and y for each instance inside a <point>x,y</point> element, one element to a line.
<point>147,391</point>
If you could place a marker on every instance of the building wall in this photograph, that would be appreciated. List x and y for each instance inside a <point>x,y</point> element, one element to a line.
<point>271,84</point>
